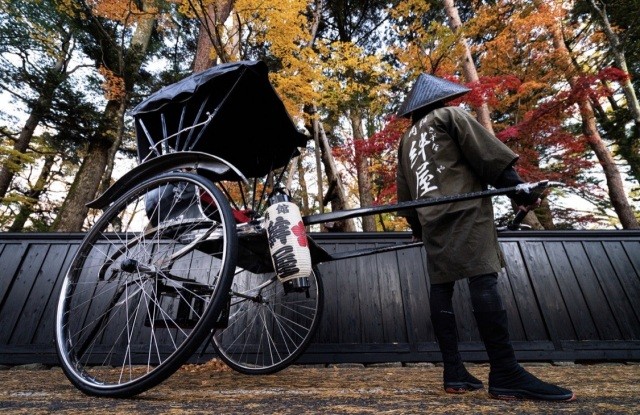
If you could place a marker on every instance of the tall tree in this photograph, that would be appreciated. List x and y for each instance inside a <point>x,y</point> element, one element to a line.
<point>339,67</point>
<point>515,79</point>
<point>468,64</point>
<point>471,75</point>
<point>33,195</point>
<point>619,58</point>
<point>619,43</point>
<point>592,136</point>
<point>285,34</point>
<point>213,34</point>
<point>357,79</point>
<point>35,35</point>
<point>361,162</point>
<point>119,55</point>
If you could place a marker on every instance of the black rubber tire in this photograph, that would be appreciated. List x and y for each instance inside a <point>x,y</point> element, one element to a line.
<point>265,348</point>
<point>138,286</point>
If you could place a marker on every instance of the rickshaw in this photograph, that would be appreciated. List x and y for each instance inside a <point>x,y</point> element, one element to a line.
<point>200,246</point>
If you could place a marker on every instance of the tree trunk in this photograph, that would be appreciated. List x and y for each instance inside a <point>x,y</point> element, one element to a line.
<point>34,195</point>
<point>629,149</point>
<point>210,35</point>
<point>336,194</point>
<point>628,145</point>
<point>362,171</point>
<point>544,215</point>
<point>105,143</point>
<point>304,193</point>
<point>621,61</point>
<point>14,163</point>
<point>87,181</point>
<point>468,66</point>
<point>42,105</point>
<point>139,43</point>
<point>108,170</point>
<point>471,75</point>
<point>296,167</point>
<point>617,194</point>
<point>318,155</point>
<point>317,16</point>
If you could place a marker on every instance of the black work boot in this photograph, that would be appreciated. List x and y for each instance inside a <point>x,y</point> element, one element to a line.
<point>456,377</point>
<point>507,379</point>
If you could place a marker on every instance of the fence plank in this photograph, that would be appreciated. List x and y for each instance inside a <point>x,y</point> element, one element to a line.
<point>22,285</point>
<point>578,312</point>
<point>629,278</point>
<point>624,315</point>
<point>632,248</point>
<point>45,331</point>
<point>524,296</point>
<point>11,257</point>
<point>369,297</point>
<point>347,292</point>
<point>415,295</point>
<point>548,293</point>
<point>329,272</point>
<point>38,299</point>
<point>393,316</point>
<point>513,258</point>
<point>596,300</point>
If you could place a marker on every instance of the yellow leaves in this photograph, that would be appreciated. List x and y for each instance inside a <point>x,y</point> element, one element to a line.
<point>531,87</point>
<point>113,9</point>
<point>423,46</point>
<point>185,8</point>
<point>409,15</point>
<point>69,7</point>
<point>517,35</point>
<point>113,85</point>
<point>15,160</point>
<point>279,23</point>
<point>124,11</point>
<point>194,9</point>
<point>354,77</point>
<point>277,27</point>
<point>326,74</point>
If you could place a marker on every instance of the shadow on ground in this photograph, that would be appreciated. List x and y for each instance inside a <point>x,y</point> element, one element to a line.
<point>211,388</point>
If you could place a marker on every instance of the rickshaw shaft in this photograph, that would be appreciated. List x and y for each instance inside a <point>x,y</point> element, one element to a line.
<point>374,210</point>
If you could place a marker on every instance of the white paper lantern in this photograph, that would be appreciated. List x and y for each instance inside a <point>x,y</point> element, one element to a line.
<point>287,241</point>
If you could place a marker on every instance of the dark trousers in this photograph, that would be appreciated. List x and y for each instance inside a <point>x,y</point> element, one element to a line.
<point>484,297</point>
<point>483,289</point>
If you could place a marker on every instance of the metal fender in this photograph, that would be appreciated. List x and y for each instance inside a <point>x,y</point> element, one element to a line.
<point>217,168</point>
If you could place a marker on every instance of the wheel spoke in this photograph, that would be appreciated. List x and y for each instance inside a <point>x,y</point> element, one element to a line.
<point>267,328</point>
<point>144,289</point>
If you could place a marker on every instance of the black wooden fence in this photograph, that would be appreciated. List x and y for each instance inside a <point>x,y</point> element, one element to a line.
<point>569,296</point>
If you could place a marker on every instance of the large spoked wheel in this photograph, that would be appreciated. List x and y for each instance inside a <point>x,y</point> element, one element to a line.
<point>146,285</point>
<point>268,328</point>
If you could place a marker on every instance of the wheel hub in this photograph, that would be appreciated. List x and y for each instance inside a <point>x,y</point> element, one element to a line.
<point>129,265</point>
<point>133,266</point>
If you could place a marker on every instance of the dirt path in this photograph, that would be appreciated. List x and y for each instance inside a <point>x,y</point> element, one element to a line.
<point>601,389</point>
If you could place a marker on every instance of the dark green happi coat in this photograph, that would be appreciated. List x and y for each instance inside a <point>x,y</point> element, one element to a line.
<point>446,153</point>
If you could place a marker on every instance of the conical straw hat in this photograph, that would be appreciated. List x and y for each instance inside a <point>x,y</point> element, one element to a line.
<point>429,89</point>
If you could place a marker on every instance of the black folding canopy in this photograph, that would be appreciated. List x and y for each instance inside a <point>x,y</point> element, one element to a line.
<point>235,113</point>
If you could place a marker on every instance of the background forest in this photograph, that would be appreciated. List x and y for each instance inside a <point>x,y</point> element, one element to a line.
<point>557,81</point>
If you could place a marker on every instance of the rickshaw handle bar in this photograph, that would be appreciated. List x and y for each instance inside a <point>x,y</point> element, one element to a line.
<point>412,204</point>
